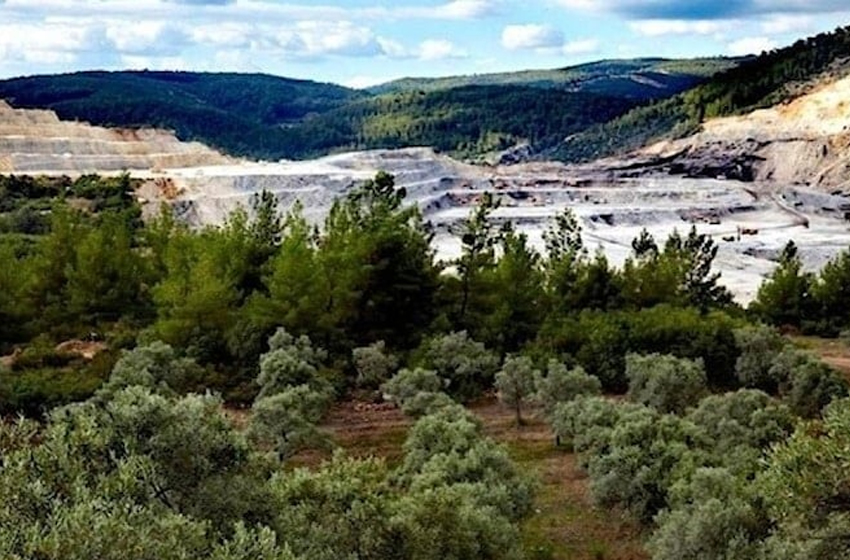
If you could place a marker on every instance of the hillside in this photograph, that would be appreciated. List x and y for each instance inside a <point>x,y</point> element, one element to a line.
<point>466,121</point>
<point>641,78</point>
<point>267,117</point>
<point>238,113</point>
<point>767,80</point>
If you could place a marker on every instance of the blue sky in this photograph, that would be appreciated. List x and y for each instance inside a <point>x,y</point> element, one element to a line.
<point>364,42</point>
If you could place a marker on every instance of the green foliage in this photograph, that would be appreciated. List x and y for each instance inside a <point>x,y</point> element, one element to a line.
<point>518,311</point>
<point>666,383</point>
<point>739,426</point>
<point>713,516</point>
<point>417,391</point>
<point>466,366</point>
<point>805,485</point>
<point>296,119</point>
<point>759,347</point>
<point>638,78</point>
<point>343,509</point>
<point>373,364</point>
<point>515,382</point>
<point>785,297</point>
<point>239,113</point>
<point>644,454</point>
<point>600,341</point>
<point>290,362</point>
<point>679,274</point>
<point>448,448</point>
<point>561,385</point>
<point>287,419</point>
<point>811,386</point>
<point>155,366</point>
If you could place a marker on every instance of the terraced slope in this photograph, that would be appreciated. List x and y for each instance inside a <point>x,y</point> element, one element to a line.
<point>36,141</point>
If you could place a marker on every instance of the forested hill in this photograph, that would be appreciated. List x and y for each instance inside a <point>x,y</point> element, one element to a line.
<point>764,81</point>
<point>267,117</point>
<point>639,78</point>
<point>241,114</point>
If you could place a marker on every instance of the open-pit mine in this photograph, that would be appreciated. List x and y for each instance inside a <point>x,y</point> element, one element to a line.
<point>750,221</point>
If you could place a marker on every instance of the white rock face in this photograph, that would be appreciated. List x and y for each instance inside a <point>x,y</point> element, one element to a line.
<point>803,142</point>
<point>34,142</point>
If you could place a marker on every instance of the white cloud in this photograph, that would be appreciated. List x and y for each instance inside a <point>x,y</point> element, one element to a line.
<point>362,82</point>
<point>785,23</point>
<point>439,49</point>
<point>49,43</point>
<point>311,39</point>
<point>146,37</point>
<point>581,46</point>
<point>517,37</point>
<point>750,45</point>
<point>659,27</point>
<point>467,9</point>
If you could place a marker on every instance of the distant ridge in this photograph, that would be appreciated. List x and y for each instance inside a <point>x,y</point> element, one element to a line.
<point>268,117</point>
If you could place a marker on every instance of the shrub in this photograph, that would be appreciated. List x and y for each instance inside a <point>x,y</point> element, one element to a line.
<point>291,362</point>
<point>416,392</point>
<point>642,456</point>
<point>805,486</point>
<point>466,365</point>
<point>287,420</point>
<point>448,448</point>
<point>155,366</point>
<point>811,386</point>
<point>561,385</point>
<point>666,383</point>
<point>374,365</point>
<point>745,417</point>
<point>713,516</point>
<point>600,341</point>
<point>759,346</point>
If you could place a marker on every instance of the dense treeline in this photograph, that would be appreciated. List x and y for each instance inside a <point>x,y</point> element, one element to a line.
<point>770,78</point>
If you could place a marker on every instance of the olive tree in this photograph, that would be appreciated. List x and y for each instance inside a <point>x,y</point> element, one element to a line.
<point>416,392</point>
<point>449,448</point>
<point>667,383</point>
<point>805,487</point>
<point>466,365</point>
<point>374,365</point>
<point>561,385</point>
<point>714,515</point>
<point>515,383</point>
<point>290,362</point>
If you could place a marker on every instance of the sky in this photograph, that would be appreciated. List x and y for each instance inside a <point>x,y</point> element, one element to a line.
<point>359,43</point>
